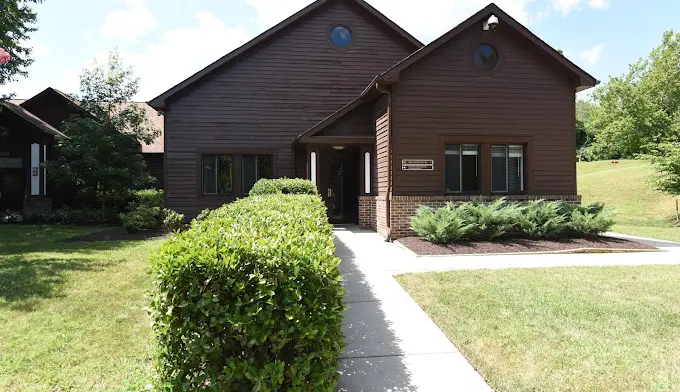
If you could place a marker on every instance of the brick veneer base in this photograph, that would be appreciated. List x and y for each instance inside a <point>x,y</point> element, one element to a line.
<point>38,205</point>
<point>402,208</point>
<point>367,212</point>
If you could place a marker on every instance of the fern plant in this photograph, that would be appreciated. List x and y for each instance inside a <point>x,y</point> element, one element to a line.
<point>440,226</point>
<point>541,219</point>
<point>587,223</point>
<point>488,221</point>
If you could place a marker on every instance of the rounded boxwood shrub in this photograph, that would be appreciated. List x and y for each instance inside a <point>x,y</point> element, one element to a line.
<point>250,299</point>
<point>292,186</point>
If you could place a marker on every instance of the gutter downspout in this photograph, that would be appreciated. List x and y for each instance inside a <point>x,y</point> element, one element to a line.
<point>389,159</point>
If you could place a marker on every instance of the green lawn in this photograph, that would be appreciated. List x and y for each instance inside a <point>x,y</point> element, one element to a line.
<point>561,329</point>
<point>625,187</point>
<point>71,314</point>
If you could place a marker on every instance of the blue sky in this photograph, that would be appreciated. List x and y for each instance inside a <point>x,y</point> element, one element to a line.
<point>168,40</point>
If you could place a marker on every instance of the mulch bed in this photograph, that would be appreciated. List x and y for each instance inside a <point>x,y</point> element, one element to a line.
<point>118,234</point>
<point>422,247</point>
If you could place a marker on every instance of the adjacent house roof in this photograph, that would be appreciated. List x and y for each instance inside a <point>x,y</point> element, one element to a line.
<point>585,79</point>
<point>31,118</point>
<point>159,102</point>
<point>156,147</point>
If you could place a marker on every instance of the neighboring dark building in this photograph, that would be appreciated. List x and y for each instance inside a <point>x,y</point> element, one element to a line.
<point>31,128</point>
<point>339,94</point>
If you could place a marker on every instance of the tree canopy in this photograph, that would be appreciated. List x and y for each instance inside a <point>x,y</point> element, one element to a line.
<point>101,157</point>
<point>17,20</point>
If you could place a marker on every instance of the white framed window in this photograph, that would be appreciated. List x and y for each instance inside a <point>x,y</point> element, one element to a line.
<point>462,168</point>
<point>507,168</point>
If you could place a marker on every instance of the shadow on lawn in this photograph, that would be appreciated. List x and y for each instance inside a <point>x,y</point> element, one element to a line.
<point>34,259</point>
<point>23,278</point>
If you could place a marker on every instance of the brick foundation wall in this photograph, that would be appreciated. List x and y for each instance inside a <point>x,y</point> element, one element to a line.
<point>38,205</point>
<point>381,216</point>
<point>367,214</point>
<point>402,208</point>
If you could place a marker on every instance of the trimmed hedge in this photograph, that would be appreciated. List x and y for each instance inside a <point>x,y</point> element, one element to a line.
<point>249,298</point>
<point>477,221</point>
<point>292,186</point>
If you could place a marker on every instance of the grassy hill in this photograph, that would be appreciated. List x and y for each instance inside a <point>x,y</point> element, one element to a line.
<point>625,187</point>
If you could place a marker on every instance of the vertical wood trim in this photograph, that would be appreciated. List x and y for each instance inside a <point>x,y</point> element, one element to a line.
<point>485,168</point>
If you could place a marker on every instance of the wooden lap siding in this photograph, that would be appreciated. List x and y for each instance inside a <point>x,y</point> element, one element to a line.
<point>273,94</point>
<point>527,99</point>
<point>382,120</point>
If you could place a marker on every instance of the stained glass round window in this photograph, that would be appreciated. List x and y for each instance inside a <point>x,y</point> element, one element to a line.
<point>341,36</point>
<point>485,57</point>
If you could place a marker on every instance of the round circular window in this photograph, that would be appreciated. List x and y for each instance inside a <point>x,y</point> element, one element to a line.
<point>341,36</point>
<point>485,57</point>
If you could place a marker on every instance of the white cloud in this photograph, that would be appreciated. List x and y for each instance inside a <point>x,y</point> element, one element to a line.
<point>182,52</point>
<point>592,55</point>
<point>567,6</point>
<point>425,19</point>
<point>40,49</point>
<point>129,23</point>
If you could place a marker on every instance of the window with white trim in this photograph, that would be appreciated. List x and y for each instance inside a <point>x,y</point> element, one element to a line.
<point>462,168</point>
<point>507,168</point>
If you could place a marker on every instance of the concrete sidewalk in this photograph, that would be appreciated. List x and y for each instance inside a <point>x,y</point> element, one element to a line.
<point>392,345</point>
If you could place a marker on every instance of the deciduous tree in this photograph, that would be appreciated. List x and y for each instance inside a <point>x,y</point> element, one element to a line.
<point>101,156</point>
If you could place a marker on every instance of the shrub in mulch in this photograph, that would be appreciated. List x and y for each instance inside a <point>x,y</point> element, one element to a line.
<point>478,221</point>
<point>520,245</point>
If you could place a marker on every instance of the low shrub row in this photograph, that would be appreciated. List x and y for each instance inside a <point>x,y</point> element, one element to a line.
<point>62,216</point>
<point>249,298</point>
<point>478,221</point>
<point>283,186</point>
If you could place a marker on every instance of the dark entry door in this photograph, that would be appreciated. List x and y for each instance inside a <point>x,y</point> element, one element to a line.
<point>11,189</point>
<point>340,184</point>
<point>334,189</point>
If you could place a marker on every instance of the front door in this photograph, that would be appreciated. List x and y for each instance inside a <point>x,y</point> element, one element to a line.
<point>339,183</point>
<point>333,192</point>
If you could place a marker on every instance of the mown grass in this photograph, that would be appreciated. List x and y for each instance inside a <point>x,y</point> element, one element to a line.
<point>625,187</point>
<point>71,314</point>
<point>561,329</point>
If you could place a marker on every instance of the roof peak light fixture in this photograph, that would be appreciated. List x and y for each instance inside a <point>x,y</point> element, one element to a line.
<point>491,24</point>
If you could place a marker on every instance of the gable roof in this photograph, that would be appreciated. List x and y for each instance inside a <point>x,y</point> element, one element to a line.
<point>159,102</point>
<point>585,79</point>
<point>31,118</point>
<point>155,147</point>
<point>345,110</point>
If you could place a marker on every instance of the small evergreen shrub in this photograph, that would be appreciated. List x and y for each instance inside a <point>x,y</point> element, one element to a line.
<point>477,221</point>
<point>487,221</point>
<point>582,222</point>
<point>286,186</point>
<point>249,298</point>
<point>144,211</point>
<point>440,226</point>
<point>542,219</point>
<point>172,221</point>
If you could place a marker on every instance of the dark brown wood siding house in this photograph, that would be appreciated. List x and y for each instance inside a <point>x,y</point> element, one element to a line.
<point>341,95</point>
<point>39,120</point>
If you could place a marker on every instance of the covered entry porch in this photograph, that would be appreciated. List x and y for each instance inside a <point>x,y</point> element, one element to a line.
<point>26,142</point>
<point>343,172</point>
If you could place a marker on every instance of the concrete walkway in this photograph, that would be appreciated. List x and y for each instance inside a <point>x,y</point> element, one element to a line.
<point>392,345</point>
